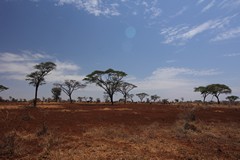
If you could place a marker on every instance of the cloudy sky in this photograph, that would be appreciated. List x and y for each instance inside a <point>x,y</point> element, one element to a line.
<point>166,47</point>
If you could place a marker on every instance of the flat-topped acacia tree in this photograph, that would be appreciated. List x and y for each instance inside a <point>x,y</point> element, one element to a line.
<point>37,77</point>
<point>2,88</point>
<point>203,90</point>
<point>69,86</point>
<point>141,96</point>
<point>109,80</point>
<point>125,88</point>
<point>217,89</point>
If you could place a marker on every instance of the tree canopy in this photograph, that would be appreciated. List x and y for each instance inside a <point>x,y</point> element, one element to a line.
<point>141,96</point>
<point>2,88</point>
<point>203,90</point>
<point>37,77</point>
<point>109,80</point>
<point>69,86</point>
<point>56,91</point>
<point>125,88</point>
<point>232,98</point>
<point>217,89</point>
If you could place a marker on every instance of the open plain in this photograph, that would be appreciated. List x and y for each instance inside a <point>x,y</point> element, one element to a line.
<point>132,131</point>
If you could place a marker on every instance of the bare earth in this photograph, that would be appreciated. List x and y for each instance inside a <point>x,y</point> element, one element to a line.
<point>131,132</point>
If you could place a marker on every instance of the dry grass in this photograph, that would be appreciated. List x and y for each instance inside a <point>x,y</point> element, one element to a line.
<point>187,138</point>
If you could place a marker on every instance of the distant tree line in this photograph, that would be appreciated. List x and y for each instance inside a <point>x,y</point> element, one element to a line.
<point>111,81</point>
<point>215,90</point>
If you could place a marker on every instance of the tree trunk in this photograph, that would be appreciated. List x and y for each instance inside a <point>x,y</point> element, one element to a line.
<point>35,99</point>
<point>111,99</point>
<point>217,99</point>
<point>204,98</point>
<point>70,98</point>
<point>125,99</point>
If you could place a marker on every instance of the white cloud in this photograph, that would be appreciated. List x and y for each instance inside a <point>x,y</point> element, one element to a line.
<point>172,82</point>
<point>232,33</point>
<point>232,4</point>
<point>152,9</point>
<point>95,7</point>
<point>172,78</point>
<point>232,55</point>
<point>200,1</point>
<point>17,66</point>
<point>180,34</point>
<point>180,12</point>
<point>26,56</point>
<point>209,6</point>
<point>171,61</point>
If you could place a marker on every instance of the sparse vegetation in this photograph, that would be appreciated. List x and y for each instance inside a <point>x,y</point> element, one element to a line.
<point>109,80</point>
<point>123,132</point>
<point>37,78</point>
<point>56,91</point>
<point>69,86</point>
<point>125,88</point>
<point>141,96</point>
<point>3,88</point>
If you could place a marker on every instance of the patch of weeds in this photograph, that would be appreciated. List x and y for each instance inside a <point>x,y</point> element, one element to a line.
<point>7,145</point>
<point>186,123</point>
<point>43,130</point>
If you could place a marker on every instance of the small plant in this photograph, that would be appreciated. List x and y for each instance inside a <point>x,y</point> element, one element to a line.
<point>7,145</point>
<point>43,130</point>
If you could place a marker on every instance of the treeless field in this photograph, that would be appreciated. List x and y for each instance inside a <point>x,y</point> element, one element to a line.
<point>133,131</point>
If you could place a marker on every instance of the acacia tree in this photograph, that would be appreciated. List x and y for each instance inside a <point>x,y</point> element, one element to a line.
<point>3,88</point>
<point>217,89</point>
<point>37,77</point>
<point>141,96</point>
<point>130,96</point>
<point>203,90</point>
<point>56,91</point>
<point>108,80</point>
<point>125,88</point>
<point>155,97</point>
<point>232,98</point>
<point>69,86</point>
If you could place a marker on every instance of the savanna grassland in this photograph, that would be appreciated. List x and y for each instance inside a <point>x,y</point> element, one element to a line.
<point>131,132</point>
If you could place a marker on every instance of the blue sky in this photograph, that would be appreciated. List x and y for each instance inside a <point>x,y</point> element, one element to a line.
<point>165,47</point>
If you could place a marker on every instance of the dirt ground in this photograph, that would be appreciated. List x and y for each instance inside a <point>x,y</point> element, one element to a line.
<point>131,132</point>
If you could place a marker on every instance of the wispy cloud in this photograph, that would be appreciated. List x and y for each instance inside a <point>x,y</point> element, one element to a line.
<point>200,1</point>
<point>152,9</point>
<point>95,7</point>
<point>231,55</point>
<point>232,33</point>
<point>180,34</point>
<point>232,4</point>
<point>26,56</point>
<point>180,12</point>
<point>171,61</point>
<point>209,5</point>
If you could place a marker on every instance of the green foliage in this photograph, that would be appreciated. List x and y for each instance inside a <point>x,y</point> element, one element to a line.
<point>56,91</point>
<point>3,88</point>
<point>109,80</point>
<point>203,90</point>
<point>217,89</point>
<point>232,98</point>
<point>141,96</point>
<point>214,89</point>
<point>155,97</point>
<point>37,78</point>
